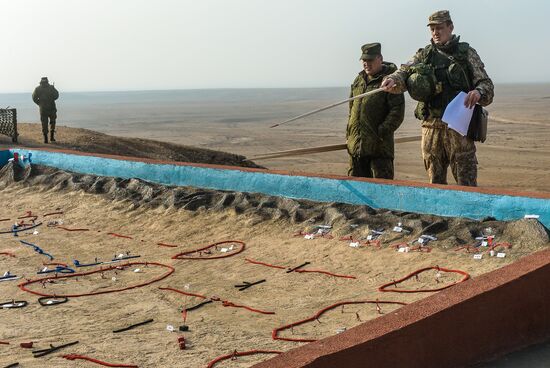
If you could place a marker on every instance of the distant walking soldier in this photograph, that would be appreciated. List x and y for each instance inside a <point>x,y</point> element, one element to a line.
<point>434,77</point>
<point>44,96</point>
<point>373,119</point>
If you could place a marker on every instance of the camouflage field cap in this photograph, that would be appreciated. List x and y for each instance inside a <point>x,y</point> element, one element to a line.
<point>44,80</point>
<point>370,51</point>
<point>439,17</point>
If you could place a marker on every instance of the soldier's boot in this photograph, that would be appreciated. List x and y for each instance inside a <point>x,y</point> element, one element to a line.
<point>46,138</point>
<point>52,138</point>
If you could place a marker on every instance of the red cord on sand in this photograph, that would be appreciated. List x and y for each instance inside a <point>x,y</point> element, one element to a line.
<point>120,236</point>
<point>67,229</point>
<point>9,254</point>
<point>23,285</point>
<point>4,343</point>
<point>264,264</point>
<point>167,245</point>
<point>236,354</point>
<point>299,270</point>
<point>225,303</point>
<point>82,357</point>
<point>55,264</point>
<point>275,332</point>
<point>183,255</point>
<point>384,287</point>
<point>53,213</point>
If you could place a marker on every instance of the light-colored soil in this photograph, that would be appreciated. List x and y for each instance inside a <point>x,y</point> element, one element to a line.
<point>214,330</point>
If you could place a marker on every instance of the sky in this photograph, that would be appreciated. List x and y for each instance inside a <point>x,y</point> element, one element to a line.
<point>114,45</point>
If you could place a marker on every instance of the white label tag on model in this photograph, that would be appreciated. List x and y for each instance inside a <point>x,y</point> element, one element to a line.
<point>484,243</point>
<point>421,240</point>
<point>401,250</point>
<point>501,255</point>
<point>309,236</point>
<point>369,237</point>
<point>354,244</point>
<point>398,229</point>
<point>478,256</point>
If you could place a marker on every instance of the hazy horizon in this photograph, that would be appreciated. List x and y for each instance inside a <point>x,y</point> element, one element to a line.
<point>138,45</point>
<point>236,88</point>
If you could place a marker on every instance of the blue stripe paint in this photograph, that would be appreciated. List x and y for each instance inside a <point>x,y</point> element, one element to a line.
<point>5,155</point>
<point>444,202</point>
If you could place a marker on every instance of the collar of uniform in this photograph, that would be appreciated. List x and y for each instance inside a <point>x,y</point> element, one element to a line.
<point>450,46</point>
<point>375,77</point>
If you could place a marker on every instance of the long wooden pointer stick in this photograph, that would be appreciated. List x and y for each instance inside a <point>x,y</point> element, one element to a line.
<point>308,151</point>
<point>331,106</point>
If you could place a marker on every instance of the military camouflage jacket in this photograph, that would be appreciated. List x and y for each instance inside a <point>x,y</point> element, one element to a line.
<point>44,96</point>
<point>475,68</point>
<point>373,119</point>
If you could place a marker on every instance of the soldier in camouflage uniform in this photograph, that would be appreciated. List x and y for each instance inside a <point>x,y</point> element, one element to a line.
<point>457,67</point>
<point>44,96</point>
<point>373,119</point>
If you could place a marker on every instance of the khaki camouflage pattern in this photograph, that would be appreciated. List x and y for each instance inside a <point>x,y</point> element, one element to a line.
<point>440,16</point>
<point>480,79</point>
<point>368,167</point>
<point>442,146</point>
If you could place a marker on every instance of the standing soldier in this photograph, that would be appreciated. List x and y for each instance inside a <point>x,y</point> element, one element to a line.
<point>373,119</point>
<point>44,96</point>
<point>434,77</point>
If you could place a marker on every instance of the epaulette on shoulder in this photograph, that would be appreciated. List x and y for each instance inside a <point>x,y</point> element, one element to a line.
<point>424,53</point>
<point>462,49</point>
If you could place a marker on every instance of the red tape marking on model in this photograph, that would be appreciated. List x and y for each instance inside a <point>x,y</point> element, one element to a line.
<point>55,264</point>
<point>23,285</point>
<point>275,332</point>
<point>183,255</point>
<point>504,245</point>
<point>120,236</point>
<point>82,357</point>
<point>236,354</point>
<point>67,229</point>
<point>264,264</point>
<point>225,303</point>
<point>4,343</point>
<point>9,254</point>
<point>382,288</point>
<point>53,213</point>
<point>167,245</point>
<point>300,270</point>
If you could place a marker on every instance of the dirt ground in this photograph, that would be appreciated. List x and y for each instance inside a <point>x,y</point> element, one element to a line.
<point>214,330</point>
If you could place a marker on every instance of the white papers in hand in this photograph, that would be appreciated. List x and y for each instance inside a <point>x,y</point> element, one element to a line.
<point>458,116</point>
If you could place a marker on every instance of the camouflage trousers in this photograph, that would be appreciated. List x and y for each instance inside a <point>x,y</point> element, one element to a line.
<point>44,118</point>
<point>371,167</point>
<point>441,147</point>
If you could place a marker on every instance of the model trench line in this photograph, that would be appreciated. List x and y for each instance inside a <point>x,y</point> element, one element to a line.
<point>236,354</point>
<point>384,288</point>
<point>275,333</point>
<point>23,285</point>
<point>97,361</point>
<point>185,255</point>
<point>225,303</point>
<point>299,270</point>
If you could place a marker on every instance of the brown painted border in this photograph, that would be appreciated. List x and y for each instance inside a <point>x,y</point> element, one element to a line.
<point>498,191</point>
<point>474,321</point>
